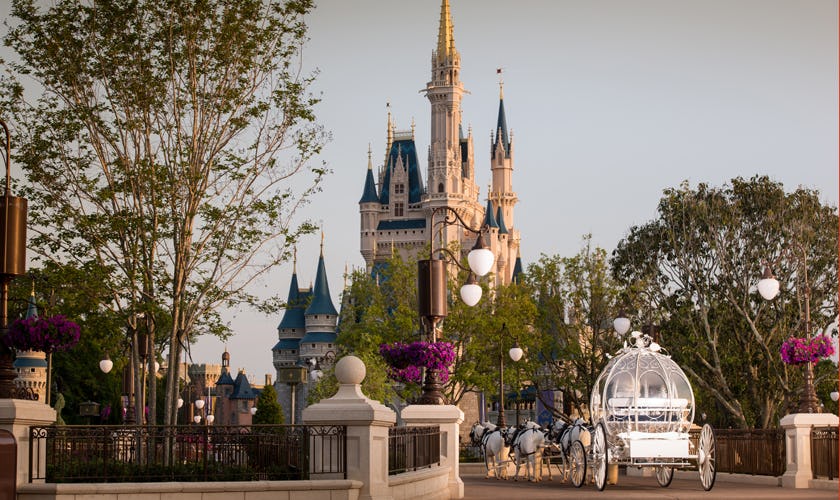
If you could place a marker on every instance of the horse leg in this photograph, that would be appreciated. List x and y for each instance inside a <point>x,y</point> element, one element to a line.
<point>517,462</point>
<point>487,464</point>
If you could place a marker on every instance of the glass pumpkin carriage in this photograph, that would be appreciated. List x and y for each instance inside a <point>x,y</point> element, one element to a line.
<point>642,408</point>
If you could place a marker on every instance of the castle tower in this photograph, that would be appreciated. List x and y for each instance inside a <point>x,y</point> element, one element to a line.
<point>31,366</point>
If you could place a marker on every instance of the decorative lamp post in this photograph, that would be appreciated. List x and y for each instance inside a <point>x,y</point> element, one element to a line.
<point>253,410</point>
<point>210,419</point>
<point>835,396</point>
<point>12,263</point>
<point>197,418</point>
<point>515,354</point>
<point>768,287</point>
<point>431,288</point>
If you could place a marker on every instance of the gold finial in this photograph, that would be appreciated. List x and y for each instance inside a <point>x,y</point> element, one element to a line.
<point>501,83</point>
<point>374,250</point>
<point>322,241</point>
<point>345,275</point>
<point>412,127</point>
<point>370,160</point>
<point>392,247</point>
<point>33,288</point>
<point>294,261</point>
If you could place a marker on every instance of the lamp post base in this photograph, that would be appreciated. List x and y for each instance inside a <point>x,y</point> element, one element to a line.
<point>808,402</point>
<point>432,394</point>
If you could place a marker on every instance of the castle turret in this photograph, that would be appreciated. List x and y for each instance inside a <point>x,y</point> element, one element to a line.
<point>293,325</point>
<point>31,366</point>
<point>321,316</point>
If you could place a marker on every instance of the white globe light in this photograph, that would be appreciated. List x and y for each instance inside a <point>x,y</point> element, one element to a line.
<point>210,419</point>
<point>316,375</point>
<point>516,353</point>
<point>180,402</point>
<point>253,410</point>
<point>481,260</point>
<point>197,419</point>
<point>621,325</point>
<point>655,347</point>
<point>106,364</point>
<point>199,403</point>
<point>768,288</point>
<point>470,294</point>
<point>835,395</point>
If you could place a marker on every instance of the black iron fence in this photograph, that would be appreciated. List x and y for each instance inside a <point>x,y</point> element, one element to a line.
<point>824,452</point>
<point>412,448</point>
<point>759,452</point>
<point>138,453</point>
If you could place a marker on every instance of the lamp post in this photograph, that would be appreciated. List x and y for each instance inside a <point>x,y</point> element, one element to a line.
<point>768,287</point>
<point>431,288</point>
<point>515,354</point>
<point>12,263</point>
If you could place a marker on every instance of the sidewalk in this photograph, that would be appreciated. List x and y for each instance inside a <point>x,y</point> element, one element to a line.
<point>634,488</point>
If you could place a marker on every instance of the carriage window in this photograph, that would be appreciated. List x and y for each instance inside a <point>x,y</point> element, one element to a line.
<point>652,385</point>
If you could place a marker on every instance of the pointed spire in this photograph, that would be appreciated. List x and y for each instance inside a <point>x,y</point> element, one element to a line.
<point>501,127</point>
<point>446,40</point>
<point>293,316</point>
<point>321,300</point>
<point>31,307</point>
<point>517,269</point>
<point>489,219</point>
<point>500,218</point>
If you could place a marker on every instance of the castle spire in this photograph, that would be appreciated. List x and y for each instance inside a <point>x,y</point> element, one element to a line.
<point>321,300</point>
<point>446,39</point>
<point>31,307</point>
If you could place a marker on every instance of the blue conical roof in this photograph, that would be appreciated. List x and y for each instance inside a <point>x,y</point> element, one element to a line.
<point>242,388</point>
<point>321,300</point>
<point>500,218</point>
<point>501,129</point>
<point>31,308</point>
<point>293,317</point>
<point>369,194</point>
<point>406,150</point>
<point>489,219</point>
<point>224,378</point>
<point>517,270</point>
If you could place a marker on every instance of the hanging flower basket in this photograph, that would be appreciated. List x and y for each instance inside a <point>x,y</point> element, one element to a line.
<point>407,361</point>
<point>55,333</point>
<point>798,351</point>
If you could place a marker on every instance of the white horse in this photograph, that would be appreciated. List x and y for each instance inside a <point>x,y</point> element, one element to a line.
<point>527,446</point>
<point>492,442</point>
<point>565,434</point>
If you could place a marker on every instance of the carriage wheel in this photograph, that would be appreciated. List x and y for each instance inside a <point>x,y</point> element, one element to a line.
<point>706,457</point>
<point>600,456</point>
<point>577,463</point>
<point>664,475</point>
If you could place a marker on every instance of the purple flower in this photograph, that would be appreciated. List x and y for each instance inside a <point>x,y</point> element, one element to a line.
<point>405,361</point>
<point>797,351</point>
<point>55,333</point>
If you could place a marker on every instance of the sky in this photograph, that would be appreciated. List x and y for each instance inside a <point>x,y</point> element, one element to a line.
<point>609,102</point>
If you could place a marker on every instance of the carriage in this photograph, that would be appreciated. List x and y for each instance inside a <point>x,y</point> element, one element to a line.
<point>642,408</point>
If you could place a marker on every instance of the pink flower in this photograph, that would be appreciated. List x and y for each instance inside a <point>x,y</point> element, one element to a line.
<point>797,351</point>
<point>55,333</point>
<point>406,360</point>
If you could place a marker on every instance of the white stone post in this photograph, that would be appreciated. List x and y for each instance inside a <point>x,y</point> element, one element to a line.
<point>16,415</point>
<point>797,426</point>
<point>367,424</point>
<point>449,419</point>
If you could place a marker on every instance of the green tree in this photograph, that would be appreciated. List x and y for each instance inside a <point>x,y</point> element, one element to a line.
<point>577,302</point>
<point>269,410</point>
<point>693,270</point>
<point>162,149</point>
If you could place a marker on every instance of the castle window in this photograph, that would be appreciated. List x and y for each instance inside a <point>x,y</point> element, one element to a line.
<point>399,210</point>
<point>313,346</point>
<point>440,187</point>
<point>399,188</point>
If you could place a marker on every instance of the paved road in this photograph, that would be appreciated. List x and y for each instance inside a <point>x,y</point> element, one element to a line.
<point>634,488</point>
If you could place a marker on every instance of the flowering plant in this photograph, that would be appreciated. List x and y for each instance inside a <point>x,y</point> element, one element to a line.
<point>797,351</point>
<point>55,333</point>
<point>406,360</point>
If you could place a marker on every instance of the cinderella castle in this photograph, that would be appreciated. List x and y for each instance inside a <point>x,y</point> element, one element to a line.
<point>396,210</point>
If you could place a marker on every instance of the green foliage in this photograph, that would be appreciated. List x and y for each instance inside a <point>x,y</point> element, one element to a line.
<point>693,270</point>
<point>576,302</point>
<point>161,151</point>
<point>269,410</point>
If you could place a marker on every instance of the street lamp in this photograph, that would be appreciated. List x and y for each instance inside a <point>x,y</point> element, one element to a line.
<point>515,354</point>
<point>621,324</point>
<point>253,410</point>
<point>768,287</point>
<point>431,287</point>
<point>106,364</point>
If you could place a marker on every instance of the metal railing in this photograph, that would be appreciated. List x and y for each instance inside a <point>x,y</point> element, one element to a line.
<point>138,453</point>
<point>824,452</point>
<point>412,448</point>
<point>759,452</point>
